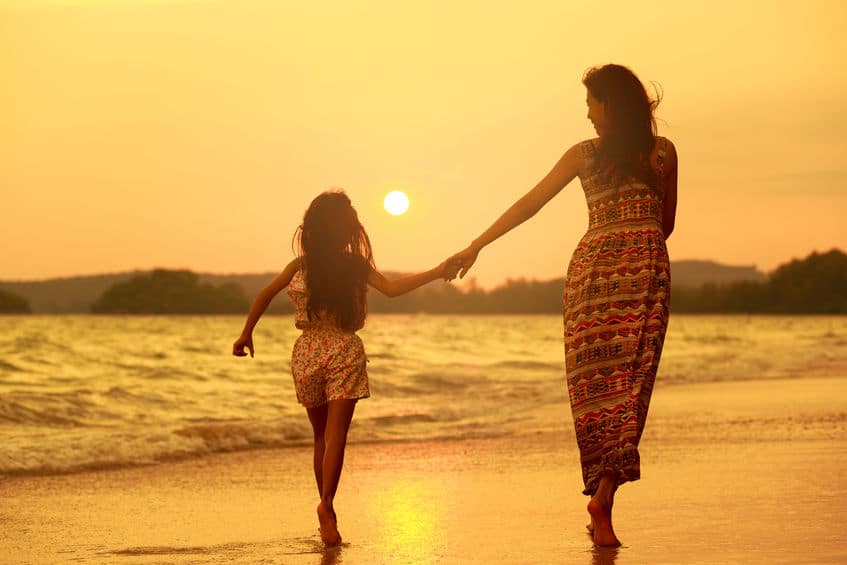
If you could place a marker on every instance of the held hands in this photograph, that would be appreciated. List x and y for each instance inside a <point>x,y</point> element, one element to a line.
<point>240,344</point>
<point>464,260</point>
<point>448,270</point>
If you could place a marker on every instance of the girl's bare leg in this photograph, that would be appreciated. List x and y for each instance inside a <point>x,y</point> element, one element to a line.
<point>317,416</point>
<point>339,416</point>
<point>600,509</point>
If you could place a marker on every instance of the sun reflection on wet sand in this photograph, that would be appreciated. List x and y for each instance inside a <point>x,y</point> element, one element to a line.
<point>411,525</point>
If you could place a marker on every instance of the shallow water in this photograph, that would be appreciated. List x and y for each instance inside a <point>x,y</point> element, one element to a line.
<point>91,392</point>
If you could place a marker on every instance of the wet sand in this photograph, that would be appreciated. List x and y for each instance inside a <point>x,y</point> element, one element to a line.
<point>732,495</point>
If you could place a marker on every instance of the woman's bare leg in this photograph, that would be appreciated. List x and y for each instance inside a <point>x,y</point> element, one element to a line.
<point>600,509</point>
<point>339,416</point>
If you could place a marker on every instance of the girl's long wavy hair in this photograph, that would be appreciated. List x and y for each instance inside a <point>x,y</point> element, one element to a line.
<point>630,132</point>
<point>337,258</point>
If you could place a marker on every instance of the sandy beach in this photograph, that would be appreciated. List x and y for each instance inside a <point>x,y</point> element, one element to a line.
<point>723,493</point>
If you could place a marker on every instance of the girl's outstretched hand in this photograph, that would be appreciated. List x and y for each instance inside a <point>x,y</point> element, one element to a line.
<point>449,269</point>
<point>465,258</point>
<point>241,343</point>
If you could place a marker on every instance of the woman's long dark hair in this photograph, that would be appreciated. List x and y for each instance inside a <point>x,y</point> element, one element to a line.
<point>337,257</point>
<point>630,132</point>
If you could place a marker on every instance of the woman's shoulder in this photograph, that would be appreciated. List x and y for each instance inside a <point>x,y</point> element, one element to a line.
<point>588,146</point>
<point>664,150</point>
<point>663,156</point>
<point>665,145</point>
<point>586,152</point>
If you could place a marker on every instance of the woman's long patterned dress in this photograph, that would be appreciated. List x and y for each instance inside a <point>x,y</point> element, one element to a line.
<point>616,312</point>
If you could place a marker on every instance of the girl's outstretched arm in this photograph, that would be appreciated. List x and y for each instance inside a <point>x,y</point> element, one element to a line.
<point>260,304</point>
<point>526,207</point>
<point>446,270</point>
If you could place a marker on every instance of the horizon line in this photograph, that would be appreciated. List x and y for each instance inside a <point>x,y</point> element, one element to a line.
<point>251,273</point>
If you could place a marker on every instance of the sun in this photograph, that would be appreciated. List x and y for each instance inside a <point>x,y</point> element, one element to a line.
<point>396,203</point>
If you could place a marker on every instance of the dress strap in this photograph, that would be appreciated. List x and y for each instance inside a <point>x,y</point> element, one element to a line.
<point>589,153</point>
<point>660,157</point>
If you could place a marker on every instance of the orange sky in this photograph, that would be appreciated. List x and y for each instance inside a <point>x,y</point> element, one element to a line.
<point>189,133</point>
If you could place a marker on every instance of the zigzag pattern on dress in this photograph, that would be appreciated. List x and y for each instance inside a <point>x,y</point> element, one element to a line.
<point>616,298</point>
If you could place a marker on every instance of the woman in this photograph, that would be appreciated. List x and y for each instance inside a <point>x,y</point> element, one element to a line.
<point>618,282</point>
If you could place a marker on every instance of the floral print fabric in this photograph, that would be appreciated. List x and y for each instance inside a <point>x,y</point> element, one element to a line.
<point>326,363</point>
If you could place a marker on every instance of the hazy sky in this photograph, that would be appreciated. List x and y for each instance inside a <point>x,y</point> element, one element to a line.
<point>193,134</point>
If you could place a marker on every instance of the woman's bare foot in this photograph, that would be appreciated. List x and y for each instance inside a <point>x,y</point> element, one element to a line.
<point>600,509</point>
<point>329,527</point>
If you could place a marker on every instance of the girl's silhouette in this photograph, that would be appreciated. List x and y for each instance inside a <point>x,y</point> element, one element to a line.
<point>327,284</point>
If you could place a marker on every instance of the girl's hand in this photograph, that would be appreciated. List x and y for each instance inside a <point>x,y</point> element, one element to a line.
<point>449,269</point>
<point>465,258</point>
<point>240,344</point>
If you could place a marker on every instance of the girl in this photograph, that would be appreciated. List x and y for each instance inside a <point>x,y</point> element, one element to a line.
<point>617,286</point>
<point>327,285</point>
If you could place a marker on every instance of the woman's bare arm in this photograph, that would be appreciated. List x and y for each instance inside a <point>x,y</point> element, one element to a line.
<point>562,173</point>
<point>669,210</point>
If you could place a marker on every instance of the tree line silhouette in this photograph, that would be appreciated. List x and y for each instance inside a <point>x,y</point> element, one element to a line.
<point>170,292</point>
<point>814,285</point>
<point>11,303</point>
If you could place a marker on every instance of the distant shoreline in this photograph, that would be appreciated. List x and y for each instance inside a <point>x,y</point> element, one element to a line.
<point>729,272</point>
<point>814,285</point>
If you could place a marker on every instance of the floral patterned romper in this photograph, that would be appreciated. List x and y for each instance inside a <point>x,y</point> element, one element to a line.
<point>327,363</point>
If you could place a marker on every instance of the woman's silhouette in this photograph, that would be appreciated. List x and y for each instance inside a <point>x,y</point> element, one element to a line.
<point>618,282</point>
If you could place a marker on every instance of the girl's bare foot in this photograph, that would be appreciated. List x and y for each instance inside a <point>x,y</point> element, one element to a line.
<point>601,519</point>
<point>329,527</point>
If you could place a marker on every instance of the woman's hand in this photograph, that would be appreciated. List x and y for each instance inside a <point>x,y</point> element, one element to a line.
<point>465,258</point>
<point>241,343</point>
<point>449,269</point>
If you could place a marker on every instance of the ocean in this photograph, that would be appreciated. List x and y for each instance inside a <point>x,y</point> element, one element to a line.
<point>84,393</point>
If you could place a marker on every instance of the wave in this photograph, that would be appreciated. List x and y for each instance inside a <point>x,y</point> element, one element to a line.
<point>88,450</point>
<point>119,393</point>
<point>428,383</point>
<point>72,409</point>
<point>122,448</point>
<point>68,406</point>
<point>37,341</point>
<point>214,437</point>
<point>405,419</point>
<point>456,378</point>
<point>6,366</point>
<point>17,413</point>
<point>385,356</point>
<point>162,373</point>
<point>223,436</point>
<point>531,365</point>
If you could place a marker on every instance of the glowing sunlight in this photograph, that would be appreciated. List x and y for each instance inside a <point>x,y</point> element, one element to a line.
<point>396,203</point>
